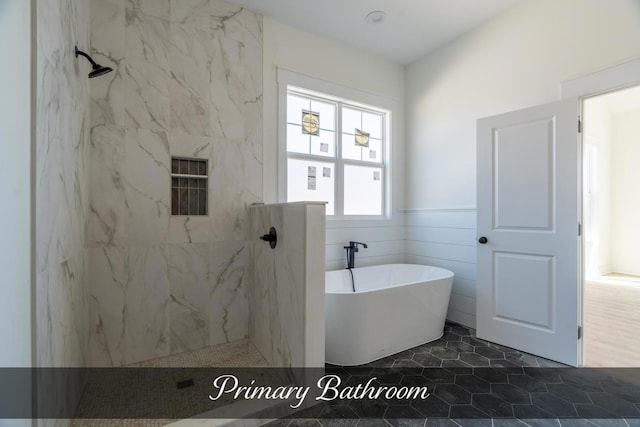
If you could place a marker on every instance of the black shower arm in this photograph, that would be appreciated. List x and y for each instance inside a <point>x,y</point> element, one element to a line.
<point>81,53</point>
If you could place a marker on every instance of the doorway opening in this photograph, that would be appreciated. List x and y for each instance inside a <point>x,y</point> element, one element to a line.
<point>611,208</point>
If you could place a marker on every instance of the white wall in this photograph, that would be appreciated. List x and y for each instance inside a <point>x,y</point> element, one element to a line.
<point>515,61</point>
<point>15,174</point>
<point>16,140</point>
<point>625,206</point>
<point>597,133</point>
<point>324,59</point>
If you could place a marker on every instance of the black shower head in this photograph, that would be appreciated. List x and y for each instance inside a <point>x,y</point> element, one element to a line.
<point>98,70</point>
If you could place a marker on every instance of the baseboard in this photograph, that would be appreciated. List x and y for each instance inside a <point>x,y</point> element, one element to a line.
<point>605,269</point>
<point>627,271</point>
<point>461,318</point>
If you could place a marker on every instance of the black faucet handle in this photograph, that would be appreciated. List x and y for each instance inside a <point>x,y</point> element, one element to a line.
<point>354,245</point>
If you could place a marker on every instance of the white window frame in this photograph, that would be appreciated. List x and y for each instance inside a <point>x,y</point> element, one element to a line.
<point>323,90</point>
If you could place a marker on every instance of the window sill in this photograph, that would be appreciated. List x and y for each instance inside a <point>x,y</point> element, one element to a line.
<point>361,221</point>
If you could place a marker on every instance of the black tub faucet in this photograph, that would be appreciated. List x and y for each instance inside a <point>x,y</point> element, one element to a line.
<point>351,250</point>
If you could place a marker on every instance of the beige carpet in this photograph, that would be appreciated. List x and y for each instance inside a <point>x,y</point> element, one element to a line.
<point>612,321</point>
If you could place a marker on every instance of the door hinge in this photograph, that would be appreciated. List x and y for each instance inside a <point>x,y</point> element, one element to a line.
<point>579,125</point>
<point>579,229</point>
<point>579,332</point>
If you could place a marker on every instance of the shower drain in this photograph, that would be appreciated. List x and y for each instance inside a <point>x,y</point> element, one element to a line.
<point>184,384</point>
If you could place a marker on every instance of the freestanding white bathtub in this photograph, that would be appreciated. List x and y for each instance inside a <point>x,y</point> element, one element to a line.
<point>395,307</point>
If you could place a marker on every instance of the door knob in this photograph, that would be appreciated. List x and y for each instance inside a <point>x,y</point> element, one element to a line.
<point>483,240</point>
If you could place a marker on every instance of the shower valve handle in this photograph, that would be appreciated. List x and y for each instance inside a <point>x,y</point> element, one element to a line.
<point>272,237</point>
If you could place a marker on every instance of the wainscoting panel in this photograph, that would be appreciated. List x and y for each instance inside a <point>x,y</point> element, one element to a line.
<point>447,238</point>
<point>385,240</point>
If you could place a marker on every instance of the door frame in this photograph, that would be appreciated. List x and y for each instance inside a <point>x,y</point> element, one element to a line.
<point>606,80</point>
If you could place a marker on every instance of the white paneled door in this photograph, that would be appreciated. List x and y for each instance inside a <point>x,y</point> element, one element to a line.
<point>528,243</point>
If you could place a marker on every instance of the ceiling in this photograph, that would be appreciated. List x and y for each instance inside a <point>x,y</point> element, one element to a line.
<point>410,30</point>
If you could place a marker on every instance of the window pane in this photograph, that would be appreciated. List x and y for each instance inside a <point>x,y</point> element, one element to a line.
<point>327,114</point>
<point>175,201</point>
<point>184,202</point>
<point>324,144</point>
<point>295,105</point>
<point>362,190</point>
<point>374,152</point>
<point>372,123</point>
<point>350,150</point>
<point>194,167</point>
<point>297,142</point>
<point>311,181</point>
<point>193,202</point>
<point>184,166</point>
<point>351,120</point>
<point>202,202</point>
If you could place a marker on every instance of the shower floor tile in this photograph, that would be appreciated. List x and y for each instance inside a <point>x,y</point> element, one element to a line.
<point>237,354</point>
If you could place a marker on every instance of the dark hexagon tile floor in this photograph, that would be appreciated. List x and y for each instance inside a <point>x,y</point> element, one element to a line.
<point>477,383</point>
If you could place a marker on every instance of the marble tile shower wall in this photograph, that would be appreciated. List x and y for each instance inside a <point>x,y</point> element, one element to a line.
<point>187,82</point>
<point>287,292</point>
<point>62,153</point>
<point>61,199</point>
